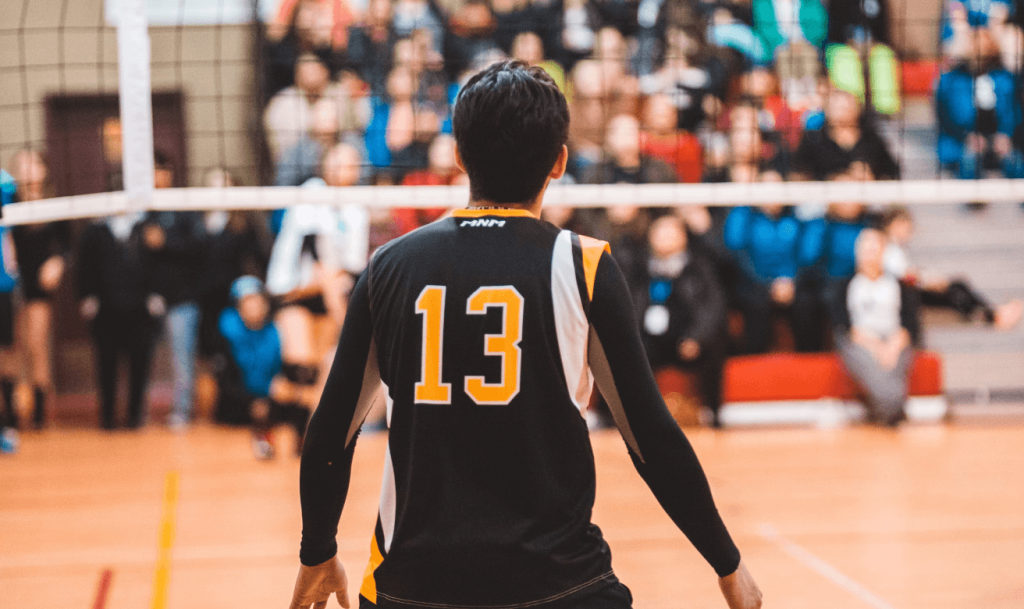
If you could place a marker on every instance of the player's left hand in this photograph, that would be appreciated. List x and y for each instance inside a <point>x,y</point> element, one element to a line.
<point>315,585</point>
<point>740,589</point>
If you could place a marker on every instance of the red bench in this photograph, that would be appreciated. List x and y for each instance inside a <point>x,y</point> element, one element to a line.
<point>796,388</point>
<point>811,376</point>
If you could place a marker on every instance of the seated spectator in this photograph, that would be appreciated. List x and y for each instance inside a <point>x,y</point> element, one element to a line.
<point>301,161</point>
<point>370,44</point>
<point>441,171</point>
<point>118,293</point>
<point>705,228</point>
<point>748,153</point>
<point>289,115</point>
<point>847,71</point>
<point>845,139</point>
<point>651,27</point>
<point>412,15</point>
<point>529,47</point>
<point>779,125</point>
<point>859,20</point>
<point>470,35</point>
<point>590,114</point>
<point>252,386</point>
<point>766,241</point>
<point>754,149</point>
<point>876,332</point>
<point>580,22</point>
<point>627,235</point>
<point>661,139</point>
<point>625,163</point>
<point>693,81</point>
<point>401,129</point>
<point>800,73</point>
<point>513,18</point>
<point>964,21</point>
<point>428,70</point>
<point>979,111</point>
<point>730,26</point>
<point>856,31</point>
<point>319,27</point>
<point>681,307</point>
<point>612,49</point>
<point>936,290</point>
<point>828,261</point>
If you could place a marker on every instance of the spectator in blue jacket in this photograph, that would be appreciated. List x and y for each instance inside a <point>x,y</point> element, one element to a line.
<point>252,387</point>
<point>827,255</point>
<point>403,125</point>
<point>978,113</point>
<point>765,241</point>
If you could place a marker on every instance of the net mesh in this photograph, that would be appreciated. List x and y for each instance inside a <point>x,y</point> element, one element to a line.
<point>230,81</point>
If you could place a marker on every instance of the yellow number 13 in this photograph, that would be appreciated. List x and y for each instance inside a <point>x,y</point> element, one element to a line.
<point>431,301</point>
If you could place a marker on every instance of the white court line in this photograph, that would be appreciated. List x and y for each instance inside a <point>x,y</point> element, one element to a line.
<point>824,569</point>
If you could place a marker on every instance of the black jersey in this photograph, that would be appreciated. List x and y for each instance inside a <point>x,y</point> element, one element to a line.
<point>487,330</point>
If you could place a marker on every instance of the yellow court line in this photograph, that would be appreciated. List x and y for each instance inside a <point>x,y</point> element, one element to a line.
<point>161,576</point>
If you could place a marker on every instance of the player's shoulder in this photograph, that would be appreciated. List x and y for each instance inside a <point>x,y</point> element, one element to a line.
<point>415,242</point>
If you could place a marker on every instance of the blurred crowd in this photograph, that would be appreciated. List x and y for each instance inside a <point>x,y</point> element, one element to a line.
<point>361,93</point>
<point>659,90</point>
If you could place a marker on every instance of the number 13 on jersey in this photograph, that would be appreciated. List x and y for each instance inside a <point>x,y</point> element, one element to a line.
<point>431,304</point>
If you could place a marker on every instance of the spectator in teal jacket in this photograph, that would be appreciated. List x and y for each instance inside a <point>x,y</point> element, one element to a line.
<point>253,384</point>
<point>780,22</point>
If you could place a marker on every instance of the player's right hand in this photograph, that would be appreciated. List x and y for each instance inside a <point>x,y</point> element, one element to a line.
<point>315,585</point>
<point>740,589</point>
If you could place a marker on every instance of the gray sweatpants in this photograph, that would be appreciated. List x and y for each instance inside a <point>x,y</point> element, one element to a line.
<point>885,391</point>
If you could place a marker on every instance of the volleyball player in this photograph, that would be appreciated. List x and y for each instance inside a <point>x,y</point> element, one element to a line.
<point>487,330</point>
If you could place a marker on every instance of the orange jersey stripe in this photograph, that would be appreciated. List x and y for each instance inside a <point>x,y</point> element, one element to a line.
<point>592,250</point>
<point>369,587</point>
<point>477,213</point>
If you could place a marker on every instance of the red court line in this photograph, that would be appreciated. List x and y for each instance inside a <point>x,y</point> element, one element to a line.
<point>106,576</point>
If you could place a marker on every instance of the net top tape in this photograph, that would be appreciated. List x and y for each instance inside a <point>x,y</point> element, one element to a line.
<point>910,192</point>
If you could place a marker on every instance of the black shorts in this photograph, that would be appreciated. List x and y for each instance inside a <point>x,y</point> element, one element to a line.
<point>6,319</point>
<point>615,596</point>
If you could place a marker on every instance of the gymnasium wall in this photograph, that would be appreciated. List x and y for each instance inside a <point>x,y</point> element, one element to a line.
<point>81,59</point>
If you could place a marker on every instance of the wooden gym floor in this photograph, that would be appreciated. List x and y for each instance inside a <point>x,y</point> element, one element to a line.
<point>924,517</point>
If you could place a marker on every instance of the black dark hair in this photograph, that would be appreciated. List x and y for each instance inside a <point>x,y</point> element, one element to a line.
<point>510,124</point>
